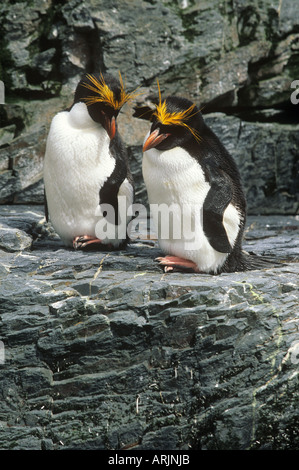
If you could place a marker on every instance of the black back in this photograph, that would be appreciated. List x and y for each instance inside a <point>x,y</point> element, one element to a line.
<point>219,168</point>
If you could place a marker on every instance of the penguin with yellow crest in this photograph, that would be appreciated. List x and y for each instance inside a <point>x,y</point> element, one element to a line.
<point>86,164</point>
<point>188,170</point>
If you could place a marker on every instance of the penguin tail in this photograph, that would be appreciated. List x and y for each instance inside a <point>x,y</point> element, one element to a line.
<point>252,261</point>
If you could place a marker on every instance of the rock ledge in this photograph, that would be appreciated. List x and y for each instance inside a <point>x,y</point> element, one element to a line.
<point>104,351</point>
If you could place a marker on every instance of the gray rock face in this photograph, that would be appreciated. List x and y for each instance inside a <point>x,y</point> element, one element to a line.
<point>105,351</point>
<point>267,157</point>
<point>235,58</point>
<point>102,350</point>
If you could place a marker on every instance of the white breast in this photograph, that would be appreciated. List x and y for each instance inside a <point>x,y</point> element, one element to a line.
<point>173,176</point>
<point>77,163</point>
<point>175,179</point>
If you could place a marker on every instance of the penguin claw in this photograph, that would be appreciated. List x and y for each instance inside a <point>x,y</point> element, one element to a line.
<point>174,263</point>
<point>168,269</point>
<point>84,240</point>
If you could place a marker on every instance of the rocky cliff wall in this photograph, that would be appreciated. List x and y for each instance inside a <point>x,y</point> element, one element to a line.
<point>236,59</point>
<point>103,350</point>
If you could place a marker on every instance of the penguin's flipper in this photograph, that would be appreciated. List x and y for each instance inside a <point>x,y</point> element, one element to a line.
<point>46,207</point>
<point>109,192</point>
<point>218,198</point>
<point>108,195</point>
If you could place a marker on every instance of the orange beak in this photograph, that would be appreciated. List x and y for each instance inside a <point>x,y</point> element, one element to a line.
<point>110,126</point>
<point>153,140</point>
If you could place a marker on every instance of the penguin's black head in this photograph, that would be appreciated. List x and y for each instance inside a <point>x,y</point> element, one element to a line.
<point>176,122</point>
<point>104,96</point>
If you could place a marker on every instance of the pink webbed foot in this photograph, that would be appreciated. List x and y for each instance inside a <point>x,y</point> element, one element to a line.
<point>84,241</point>
<point>174,263</point>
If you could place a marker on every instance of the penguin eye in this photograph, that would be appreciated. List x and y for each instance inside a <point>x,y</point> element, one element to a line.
<point>162,128</point>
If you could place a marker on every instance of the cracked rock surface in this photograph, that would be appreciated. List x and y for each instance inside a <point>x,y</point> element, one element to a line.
<point>102,350</point>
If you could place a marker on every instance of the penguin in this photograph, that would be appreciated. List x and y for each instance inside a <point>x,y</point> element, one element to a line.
<point>86,169</point>
<point>191,176</point>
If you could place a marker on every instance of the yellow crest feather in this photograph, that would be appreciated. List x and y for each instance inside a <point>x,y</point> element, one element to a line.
<point>104,94</point>
<point>175,118</point>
